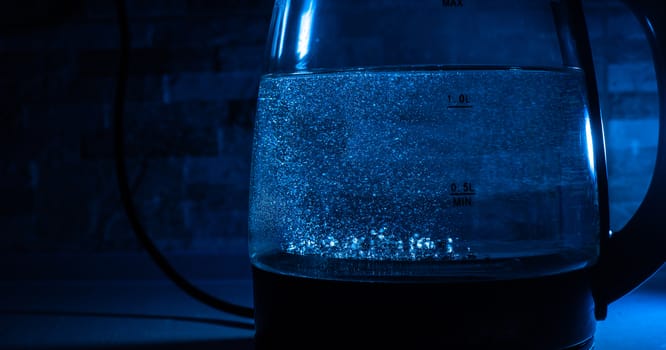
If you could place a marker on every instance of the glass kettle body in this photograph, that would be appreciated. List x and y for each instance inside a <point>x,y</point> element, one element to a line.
<point>456,163</point>
<point>435,150</point>
<point>380,172</point>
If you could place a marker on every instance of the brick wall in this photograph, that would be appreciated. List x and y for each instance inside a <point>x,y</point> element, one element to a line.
<point>193,78</point>
<point>194,72</point>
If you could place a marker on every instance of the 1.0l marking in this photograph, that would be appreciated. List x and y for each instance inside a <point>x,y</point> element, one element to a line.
<point>461,101</point>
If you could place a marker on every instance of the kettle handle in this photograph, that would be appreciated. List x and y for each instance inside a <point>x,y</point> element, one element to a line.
<point>633,254</point>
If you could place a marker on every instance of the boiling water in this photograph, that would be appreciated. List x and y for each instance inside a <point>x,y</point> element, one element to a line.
<point>420,173</point>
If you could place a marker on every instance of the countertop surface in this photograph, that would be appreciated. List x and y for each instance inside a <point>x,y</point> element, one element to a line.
<point>155,314</point>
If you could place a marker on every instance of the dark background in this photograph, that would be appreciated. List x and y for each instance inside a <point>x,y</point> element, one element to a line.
<point>194,71</point>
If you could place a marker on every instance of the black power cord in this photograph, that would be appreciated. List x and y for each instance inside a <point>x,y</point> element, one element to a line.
<point>123,185</point>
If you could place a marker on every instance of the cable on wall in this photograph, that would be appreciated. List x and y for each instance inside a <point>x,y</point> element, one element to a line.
<point>123,183</point>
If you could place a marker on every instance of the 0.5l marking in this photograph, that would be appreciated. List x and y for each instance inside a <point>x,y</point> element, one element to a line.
<point>461,194</point>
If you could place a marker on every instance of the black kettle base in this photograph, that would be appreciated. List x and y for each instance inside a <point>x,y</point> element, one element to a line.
<point>555,312</point>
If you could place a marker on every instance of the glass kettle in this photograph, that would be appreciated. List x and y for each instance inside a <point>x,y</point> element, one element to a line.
<point>434,172</point>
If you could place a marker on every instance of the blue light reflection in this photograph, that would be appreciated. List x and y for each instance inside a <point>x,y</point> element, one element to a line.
<point>304,33</point>
<point>283,27</point>
<point>279,35</point>
<point>589,141</point>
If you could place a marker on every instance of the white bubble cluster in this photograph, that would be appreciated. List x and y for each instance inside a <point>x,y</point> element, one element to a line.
<point>380,244</point>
